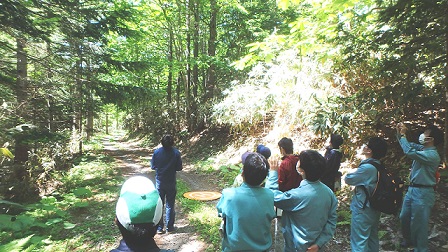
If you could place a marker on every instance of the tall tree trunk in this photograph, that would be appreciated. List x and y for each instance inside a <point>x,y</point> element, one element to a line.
<point>90,105</point>
<point>170,67</point>
<point>49,97</point>
<point>195,81</point>
<point>21,148</point>
<point>79,102</point>
<point>445,143</point>
<point>188,82</point>
<point>211,72</point>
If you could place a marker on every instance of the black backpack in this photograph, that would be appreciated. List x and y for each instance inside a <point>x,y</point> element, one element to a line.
<point>388,193</point>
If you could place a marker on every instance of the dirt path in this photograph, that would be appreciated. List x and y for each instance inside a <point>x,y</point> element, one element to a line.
<point>133,160</point>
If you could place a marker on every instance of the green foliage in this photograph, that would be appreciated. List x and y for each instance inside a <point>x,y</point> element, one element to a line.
<point>344,217</point>
<point>330,116</point>
<point>68,212</point>
<point>228,173</point>
<point>206,166</point>
<point>202,215</point>
<point>4,152</point>
<point>284,92</point>
<point>17,245</point>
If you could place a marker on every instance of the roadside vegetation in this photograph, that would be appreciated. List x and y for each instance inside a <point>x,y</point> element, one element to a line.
<point>220,75</point>
<point>77,216</point>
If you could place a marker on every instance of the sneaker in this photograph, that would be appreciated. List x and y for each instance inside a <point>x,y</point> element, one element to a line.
<point>170,230</point>
<point>160,231</point>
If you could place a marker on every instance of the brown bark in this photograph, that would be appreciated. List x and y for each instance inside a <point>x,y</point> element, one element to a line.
<point>21,148</point>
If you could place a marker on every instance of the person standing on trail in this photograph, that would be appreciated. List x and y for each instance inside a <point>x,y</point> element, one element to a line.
<point>248,210</point>
<point>309,211</point>
<point>420,197</point>
<point>333,156</point>
<point>365,220</point>
<point>288,177</point>
<point>167,160</point>
<point>138,210</point>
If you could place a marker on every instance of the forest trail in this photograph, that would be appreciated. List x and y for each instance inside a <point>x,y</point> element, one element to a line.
<point>133,160</point>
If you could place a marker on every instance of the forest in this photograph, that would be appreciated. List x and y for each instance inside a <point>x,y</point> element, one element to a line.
<point>249,71</point>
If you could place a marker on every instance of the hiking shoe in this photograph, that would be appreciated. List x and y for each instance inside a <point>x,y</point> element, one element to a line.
<point>170,230</point>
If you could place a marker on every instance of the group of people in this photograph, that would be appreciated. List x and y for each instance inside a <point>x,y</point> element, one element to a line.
<point>293,185</point>
<point>301,185</point>
<point>139,210</point>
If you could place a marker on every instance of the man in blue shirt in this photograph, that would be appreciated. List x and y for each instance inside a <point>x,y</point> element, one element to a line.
<point>365,220</point>
<point>309,211</point>
<point>166,160</point>
<point>248,210</point>
<point>420,196</point>
<point>138,210</point>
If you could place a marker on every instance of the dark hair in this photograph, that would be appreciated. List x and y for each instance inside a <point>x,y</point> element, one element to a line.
<point>167,141</point>
<point>313,163</point>
<point>435,133</point>
<point>287,145</point>
<point>378,147</point>
<point>255,169</point>
<point>336,140</point>
<point>139,234</point>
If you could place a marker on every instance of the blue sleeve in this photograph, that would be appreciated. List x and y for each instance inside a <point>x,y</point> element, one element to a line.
<point>179,161</point>
<point>360,176</point>
<point>153,166</point>
<point>281,199</point>
<point>221,205</point>
<point>415,151</point>
<point>330,226</point>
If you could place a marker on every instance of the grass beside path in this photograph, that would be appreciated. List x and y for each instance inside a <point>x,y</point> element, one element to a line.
<point>77,217</point>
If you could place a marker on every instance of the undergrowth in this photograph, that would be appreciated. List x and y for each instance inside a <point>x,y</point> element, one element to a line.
<point>203,216</point>
<point>77,216</point>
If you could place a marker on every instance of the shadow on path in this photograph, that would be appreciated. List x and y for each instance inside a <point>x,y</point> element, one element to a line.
<point>135,160</point>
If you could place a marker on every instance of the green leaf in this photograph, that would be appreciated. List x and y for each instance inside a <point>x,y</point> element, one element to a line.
<point>283,4</point>
<point>12,204</point>
<point>82,192</point>
<point>16,223</point>
<point>16,245</point>
<point>81,204</point>
<point>68,225</point>
<point>53,221</point>
<point>5,152</point>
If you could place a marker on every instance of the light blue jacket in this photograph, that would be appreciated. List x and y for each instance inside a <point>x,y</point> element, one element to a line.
<point>366,175</point>
<point>425,162</point>
<point>309,213</point>
<point>248,212</point>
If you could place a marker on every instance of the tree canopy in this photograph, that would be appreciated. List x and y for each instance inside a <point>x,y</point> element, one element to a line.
<point>348,66</point>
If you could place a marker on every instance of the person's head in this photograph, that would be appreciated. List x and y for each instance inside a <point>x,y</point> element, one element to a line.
<point>287,145</point>
<point>431,136</point>
<point>167,141</point>
<point>336,141</point>
<point>311,165</point>
<point>263,150</point>
<point>375,148</point>
<point>255,169</point>
<point>244,156</point>
<point>138,210</point>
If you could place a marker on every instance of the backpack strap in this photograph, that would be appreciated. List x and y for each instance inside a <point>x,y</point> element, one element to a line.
<point>378,168</point>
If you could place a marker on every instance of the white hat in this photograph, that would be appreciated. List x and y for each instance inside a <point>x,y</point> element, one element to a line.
<point>139,202</point>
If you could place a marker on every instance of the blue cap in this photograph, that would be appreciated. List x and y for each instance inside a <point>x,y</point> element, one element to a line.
<point>263,150</point>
